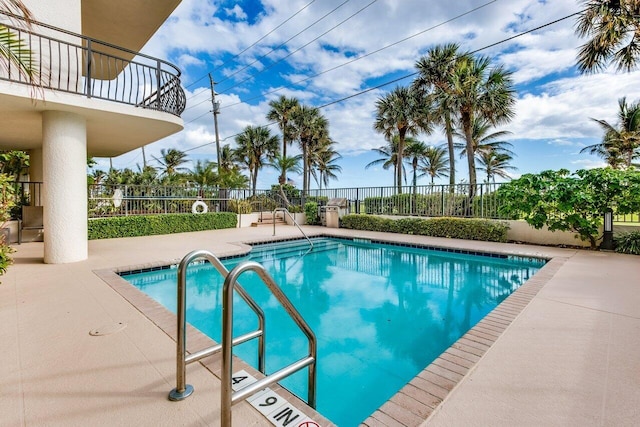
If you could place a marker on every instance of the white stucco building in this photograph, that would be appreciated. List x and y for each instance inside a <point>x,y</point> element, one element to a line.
<point>98,97</point>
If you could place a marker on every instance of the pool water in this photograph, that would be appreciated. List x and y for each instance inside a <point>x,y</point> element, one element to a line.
<point>381,313</point>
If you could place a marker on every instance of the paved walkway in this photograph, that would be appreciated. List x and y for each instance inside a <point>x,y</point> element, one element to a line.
<point>569,358</point>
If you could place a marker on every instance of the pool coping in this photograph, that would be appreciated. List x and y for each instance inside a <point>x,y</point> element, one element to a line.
<point>414,403</point>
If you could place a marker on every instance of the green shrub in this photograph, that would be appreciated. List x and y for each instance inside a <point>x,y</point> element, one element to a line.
<point>240,206</point>
<point>457,228</point>
<point>148,225</point>
<point>311,213</point>
<point>628,243</point>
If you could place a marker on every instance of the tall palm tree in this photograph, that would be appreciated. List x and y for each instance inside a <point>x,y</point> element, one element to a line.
<point>435,70</point>
<point>326,166</point>
<point>479,90</point>
<point>613,31</point>
<point>620,145</point>
<point>280,112</point>
<point>483,139</point>
<point>284,165</point>
<point>171,161</point>
<point>402,112</point>
<point>255,148</point>
<point>495,164</point>
<point>14,53</point>
<point>434,163</point>
<point>415,151</point>
<point>311,129</point>
<point>203,173</point>
<point>389,157</point>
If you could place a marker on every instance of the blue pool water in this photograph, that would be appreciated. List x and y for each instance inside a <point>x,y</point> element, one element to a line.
<point>381,313</point>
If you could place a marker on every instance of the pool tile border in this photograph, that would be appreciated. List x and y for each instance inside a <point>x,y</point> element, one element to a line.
<point>422,396</point>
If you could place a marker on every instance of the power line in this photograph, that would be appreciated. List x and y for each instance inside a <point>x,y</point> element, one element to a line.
<point>362,56</point>
<point>299,49</point>
<point>415,73</point>
<point>256,42</point>
<point>284,43</point>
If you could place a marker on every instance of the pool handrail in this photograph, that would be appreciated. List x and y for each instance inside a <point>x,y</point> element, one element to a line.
<point>285,210</point>
<point>228,397</point>
<point>182,389</point>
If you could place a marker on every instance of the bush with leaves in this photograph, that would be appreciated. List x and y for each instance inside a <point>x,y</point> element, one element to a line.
<point>628,243</point>
<point>7,202</point>
<point>571,202</point>
<point>312,214</point>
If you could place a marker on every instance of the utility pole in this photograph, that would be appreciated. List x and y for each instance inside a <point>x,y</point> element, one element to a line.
<point>216,111</point>
<point>144,158</point>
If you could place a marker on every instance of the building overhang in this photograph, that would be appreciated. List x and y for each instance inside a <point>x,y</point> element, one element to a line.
<point>112,128</point>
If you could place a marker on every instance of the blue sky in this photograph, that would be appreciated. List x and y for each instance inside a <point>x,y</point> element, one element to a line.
<point>554,103</point>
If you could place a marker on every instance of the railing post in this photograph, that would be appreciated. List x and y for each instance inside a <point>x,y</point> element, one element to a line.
<point>442,197</point>
<point>159,82</point>
<point>182,390</point>
<point>88,68</point>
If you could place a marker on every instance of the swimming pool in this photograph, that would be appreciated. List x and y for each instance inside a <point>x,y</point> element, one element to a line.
<point>381,312</point>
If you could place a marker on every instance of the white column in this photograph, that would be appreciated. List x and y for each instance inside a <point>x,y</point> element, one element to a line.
<point>64,155</point>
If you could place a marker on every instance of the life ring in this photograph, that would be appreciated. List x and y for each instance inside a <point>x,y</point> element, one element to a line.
<point>199,207</point>
<point>117,197</point>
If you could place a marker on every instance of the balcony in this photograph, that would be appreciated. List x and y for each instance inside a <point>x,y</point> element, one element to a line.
<point>72,63</point>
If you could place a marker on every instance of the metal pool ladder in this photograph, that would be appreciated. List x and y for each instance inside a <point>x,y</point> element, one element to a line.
<point>285,210</point>
<point>228,397</point>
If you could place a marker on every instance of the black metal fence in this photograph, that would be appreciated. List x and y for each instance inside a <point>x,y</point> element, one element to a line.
<point>70,62</point>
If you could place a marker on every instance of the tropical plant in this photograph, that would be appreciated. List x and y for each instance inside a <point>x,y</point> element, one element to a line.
<point>414,151</point>
<point>483,139</point>
<point>7,201</point>
<point>280,112</point>
<point>256,147</point>
<point>613,31</point>
<point>495,163</point>
<point>620,145</point>
<point>171,161</point>
<point>389,157</point>
<point>404,113</point>
<point>204,174</point>
<point>14,53</point>
<point>284,165</point>
<point>477,90</point>
<point>325,165</point>
<point>436,70</point>
<point>628,243</point>
<point>311,129</point>
<point>434,163</point>
<point>571,202</point>
<point>14,163</point>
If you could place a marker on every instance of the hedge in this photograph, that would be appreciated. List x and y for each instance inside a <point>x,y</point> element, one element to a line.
<point>148,225</point>
<point>456,228</point>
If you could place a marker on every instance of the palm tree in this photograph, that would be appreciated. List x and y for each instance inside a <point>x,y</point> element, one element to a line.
<point>284,165</point>
<point>484,141</point>
<point>613,29</point>
<point>415,151</point>
<point>171,161</point>
<point>480,91</point>
<point>389,157</point>
<point>402,112</point>
<point>326,166</point>
<point>495,164</point>
<point>434,163</point>
<point>434,80</point>
<point>311,129</point>
<point>203,173</point>
<point>14,54</point>
<point>280,112</point>
<point>619,146</point>
<point>255,148</point>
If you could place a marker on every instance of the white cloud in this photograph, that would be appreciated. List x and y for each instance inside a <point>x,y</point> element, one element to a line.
<point>236,12</point>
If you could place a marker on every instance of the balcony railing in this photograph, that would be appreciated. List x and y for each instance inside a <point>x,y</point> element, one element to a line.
<point>69,62</point>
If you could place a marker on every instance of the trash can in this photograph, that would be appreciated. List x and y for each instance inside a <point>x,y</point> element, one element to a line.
<point>332,216</point>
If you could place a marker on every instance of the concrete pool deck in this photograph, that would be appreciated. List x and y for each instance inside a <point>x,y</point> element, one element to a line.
<point>569,357</point>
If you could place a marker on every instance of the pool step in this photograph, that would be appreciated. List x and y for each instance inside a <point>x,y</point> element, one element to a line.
<point>267,219</point>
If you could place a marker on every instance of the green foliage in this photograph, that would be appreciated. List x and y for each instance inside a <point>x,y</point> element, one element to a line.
<point>312,213</point>
<point>240,206</point>
<point>628,243</point>
<point>423,205</point>
<point>571,202</point>
<point>148,225</point>
<point>7,202</point>
<point>456,228</point>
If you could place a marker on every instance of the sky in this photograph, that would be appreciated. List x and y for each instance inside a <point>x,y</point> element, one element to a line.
<point>326,50</point>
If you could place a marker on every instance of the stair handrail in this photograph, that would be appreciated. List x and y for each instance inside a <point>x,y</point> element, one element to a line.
<point>228,397</point>
<point>285,210</point>
<point>182,389</point>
